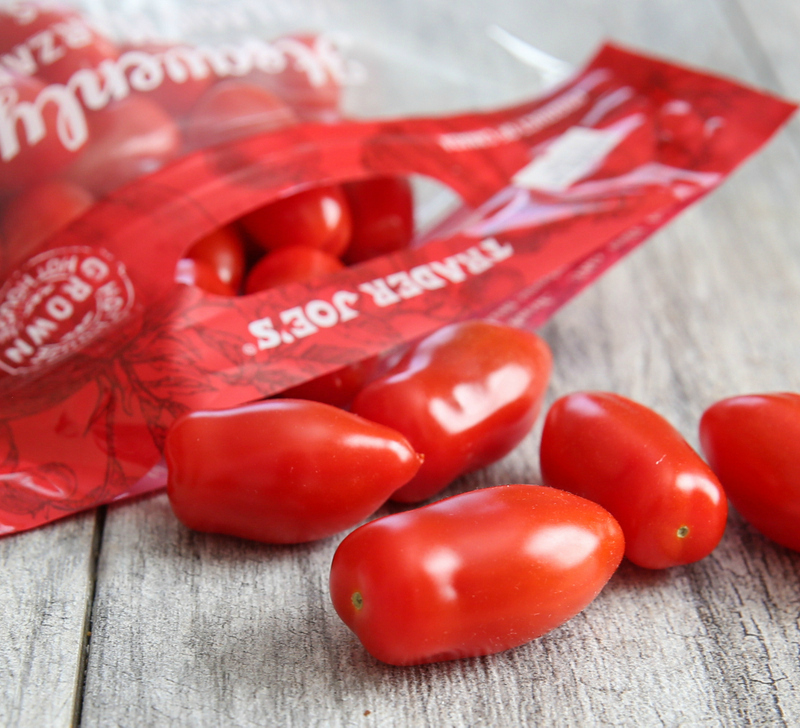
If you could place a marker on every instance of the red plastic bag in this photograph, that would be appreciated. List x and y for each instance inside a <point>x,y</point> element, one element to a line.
<point>100,349</point>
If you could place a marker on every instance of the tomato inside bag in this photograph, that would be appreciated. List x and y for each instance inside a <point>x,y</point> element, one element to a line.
<point>101,349</point>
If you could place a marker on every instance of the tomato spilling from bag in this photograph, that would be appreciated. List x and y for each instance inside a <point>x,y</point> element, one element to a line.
<point>631,461</point>
<point>464,397</point>
<point>474,574</point>
<point>752,444</point>
<point>382,209</point>
<point>282,471</point>
<point>316,218</point>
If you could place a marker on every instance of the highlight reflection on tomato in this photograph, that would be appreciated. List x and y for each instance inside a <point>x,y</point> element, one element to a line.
<point>315,218</point>
<point>223,249</point>
<point>201,273</point>
<point>473,574</point>
<point>465,396</point>
<point>282,470</point>
<point>751,442</point>
<point>631,461</point>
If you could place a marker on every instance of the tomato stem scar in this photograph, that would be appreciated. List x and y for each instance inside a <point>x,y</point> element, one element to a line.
<point>683,531</point>
<point>358,600</point>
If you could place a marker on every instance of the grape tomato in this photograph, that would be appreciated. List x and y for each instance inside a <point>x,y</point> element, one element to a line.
<point>315,218</point>
<point>464,396</point>
<point>474,574</point>
<point>224,250</point>
<point>293,264</point>
<point>630,460</point>
<point>382,209</point>
<point>751,442</point>
<point>282,470</point>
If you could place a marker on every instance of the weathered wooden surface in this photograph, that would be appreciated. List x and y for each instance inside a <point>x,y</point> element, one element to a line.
<point>189,629</point>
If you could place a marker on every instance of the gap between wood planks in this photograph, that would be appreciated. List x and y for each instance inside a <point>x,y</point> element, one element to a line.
<point>86,639</point>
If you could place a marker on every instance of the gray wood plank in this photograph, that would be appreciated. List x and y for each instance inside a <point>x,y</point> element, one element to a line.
<point>48,578</point>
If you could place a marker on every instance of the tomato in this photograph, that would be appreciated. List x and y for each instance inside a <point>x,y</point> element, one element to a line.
<point>465,396</point>
<point>337,388</point>
<point>34,215</point>
<point>223,249</point>
<point>316,218</point>
<point>50,43</point>
<point>127,139</point>
<point>631,461</point>
<point>203,274</point>
<point>382,209</point>
<point>295,264</point>
<point>473,574</point>
<point>28,161</point>
<point>232,109</point>
<point>282,471</point>
<point>751,443</point>
<point>183,83</point>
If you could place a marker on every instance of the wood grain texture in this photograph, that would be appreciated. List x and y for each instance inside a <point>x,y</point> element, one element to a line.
<point>44,609</point>
<point>196,630</point>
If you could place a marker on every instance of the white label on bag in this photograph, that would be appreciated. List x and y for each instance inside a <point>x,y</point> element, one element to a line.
<point>575,154</point>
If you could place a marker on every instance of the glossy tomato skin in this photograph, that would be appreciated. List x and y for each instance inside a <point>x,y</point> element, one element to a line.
<point>224,250</point>
<point>473,574</point>
<point>293,264</point>
<point>201,273</point>
<point>465,396</point>
<point>339,387</point>
<point>751,442</point>
<point>315,218</point>
<point>382,209</point>
<point>630,460</point>
<point>282,471</point>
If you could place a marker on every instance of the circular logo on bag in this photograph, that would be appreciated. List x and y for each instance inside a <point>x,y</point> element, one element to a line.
<point>59,302</point>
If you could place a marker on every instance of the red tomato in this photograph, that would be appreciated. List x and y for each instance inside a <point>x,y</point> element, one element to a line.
<point>22,20</point>
<point>50,43</point>
<point>474,574</point>
<point>282,471</point>
<point>382,209</point>
<point>127,140</point>
<point>337,388</point>
<point>464,397</point>
<point>34,215</point>
<point>224,250</point>
<point>180,89</point>
<point>296,264</point>
<point>26,161</point>
<point>751,443</point>
<point>316,218</point>
<point>631,461</point>
<point>203,274</point>
<point>233,109</point>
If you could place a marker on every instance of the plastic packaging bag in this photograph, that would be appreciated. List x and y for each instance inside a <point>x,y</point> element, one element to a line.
<point>100,348</point>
